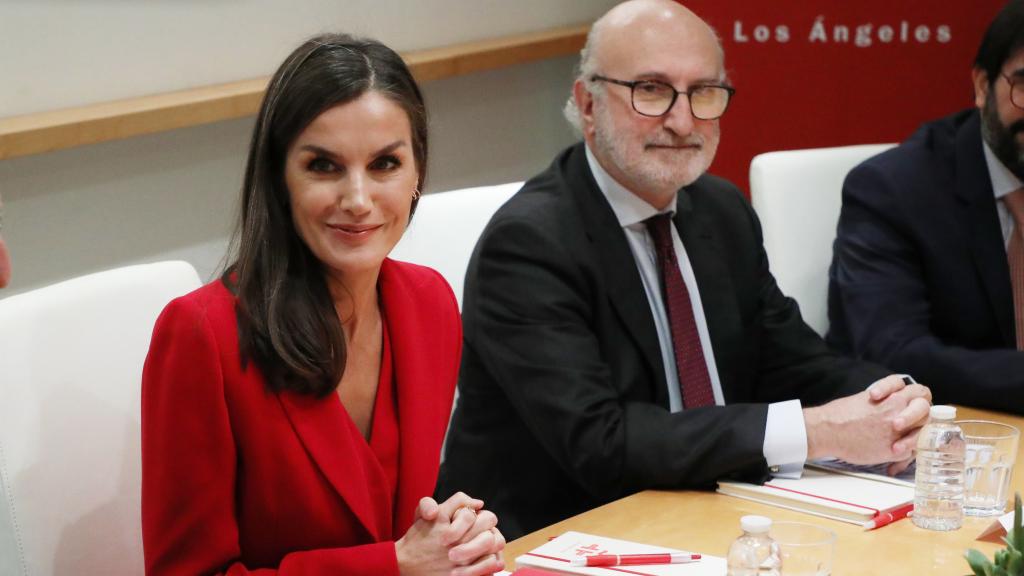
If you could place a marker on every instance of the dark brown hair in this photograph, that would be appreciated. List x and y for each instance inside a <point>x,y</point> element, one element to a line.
<point>1005,35</point>
<point>287,322</point>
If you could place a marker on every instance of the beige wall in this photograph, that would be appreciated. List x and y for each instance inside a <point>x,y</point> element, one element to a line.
<point>173,195</point>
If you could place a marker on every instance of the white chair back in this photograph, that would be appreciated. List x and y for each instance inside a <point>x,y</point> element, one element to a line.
<point>797,195</point>
<point>446,226</point>
<point>71,360</point>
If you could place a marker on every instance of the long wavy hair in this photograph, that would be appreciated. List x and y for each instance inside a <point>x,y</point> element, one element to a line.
<point>287,322</point>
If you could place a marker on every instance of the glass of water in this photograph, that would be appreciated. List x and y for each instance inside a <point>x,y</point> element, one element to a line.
<point>988,466</point>
<point>804,549</point>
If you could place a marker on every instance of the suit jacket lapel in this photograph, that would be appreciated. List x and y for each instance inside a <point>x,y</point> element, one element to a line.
<point>622,278</point>
<point>717,293</point>
<point>418,338</point>
<point>973,187</point>
<point>333,443</point>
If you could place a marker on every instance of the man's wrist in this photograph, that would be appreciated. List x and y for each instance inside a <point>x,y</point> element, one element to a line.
<point>818,433</point>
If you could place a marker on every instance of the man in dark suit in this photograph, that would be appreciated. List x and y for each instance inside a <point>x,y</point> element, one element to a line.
<point>622,330</point>
<point>927,238</point>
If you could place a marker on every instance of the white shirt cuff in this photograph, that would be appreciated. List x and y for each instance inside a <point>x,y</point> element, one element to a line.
<point>785,439</point>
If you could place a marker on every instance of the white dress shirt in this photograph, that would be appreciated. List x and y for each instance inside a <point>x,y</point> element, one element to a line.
<point>785,437</point>
<point>1003,182</point>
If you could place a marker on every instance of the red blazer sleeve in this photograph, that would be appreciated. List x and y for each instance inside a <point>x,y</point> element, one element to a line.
<point>189,463</point>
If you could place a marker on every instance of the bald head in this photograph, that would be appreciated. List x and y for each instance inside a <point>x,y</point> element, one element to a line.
<point>636,28</point>
<point>656,47</point>
<point>642,26</point>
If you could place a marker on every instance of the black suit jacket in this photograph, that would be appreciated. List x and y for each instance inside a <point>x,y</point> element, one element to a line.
<point>919,278</point>
<point>563,403</point>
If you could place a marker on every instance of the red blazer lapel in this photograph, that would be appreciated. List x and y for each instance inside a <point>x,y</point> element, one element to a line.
<point>335,445</point>
<point>426,338</point>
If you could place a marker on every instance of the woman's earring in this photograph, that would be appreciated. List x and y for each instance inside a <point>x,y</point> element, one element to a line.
<point>416,193</point>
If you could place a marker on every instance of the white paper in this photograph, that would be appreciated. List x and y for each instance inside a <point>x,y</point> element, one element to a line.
<point>556,554</point>
<point>853,498</point>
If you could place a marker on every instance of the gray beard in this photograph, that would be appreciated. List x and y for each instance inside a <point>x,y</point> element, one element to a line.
<point>645,174</point>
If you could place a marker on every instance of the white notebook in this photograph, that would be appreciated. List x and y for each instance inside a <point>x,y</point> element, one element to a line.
<point>836,495</point>
<point>556,555</point>
<point>876,472</point>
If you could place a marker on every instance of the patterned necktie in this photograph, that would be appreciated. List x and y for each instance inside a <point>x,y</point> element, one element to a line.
<point>1014,202</point>
<point>690,365</point>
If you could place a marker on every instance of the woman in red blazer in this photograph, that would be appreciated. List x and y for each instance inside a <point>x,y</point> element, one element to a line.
<point>293,411</point>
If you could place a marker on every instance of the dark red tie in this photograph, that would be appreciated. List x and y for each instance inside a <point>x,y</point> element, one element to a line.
<point>690,365</point>
<point>1014,202</point>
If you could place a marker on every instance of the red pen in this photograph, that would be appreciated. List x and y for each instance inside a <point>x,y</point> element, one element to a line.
<point>889,516</point>
<point>634,559</point>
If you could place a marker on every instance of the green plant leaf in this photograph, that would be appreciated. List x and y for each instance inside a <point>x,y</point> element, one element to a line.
<point>978,562</point>
<point>1018,533</point>
<point>1015,563</point>
<point>1009,561</point>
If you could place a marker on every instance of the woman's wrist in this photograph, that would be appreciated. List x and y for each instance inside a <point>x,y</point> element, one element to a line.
<point>400,556</point>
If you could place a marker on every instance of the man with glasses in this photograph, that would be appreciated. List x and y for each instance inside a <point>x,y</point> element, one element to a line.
<point>622,330</point>
<point>928,269</point>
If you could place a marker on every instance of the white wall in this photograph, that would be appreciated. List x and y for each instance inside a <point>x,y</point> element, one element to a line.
<point>173,195</point>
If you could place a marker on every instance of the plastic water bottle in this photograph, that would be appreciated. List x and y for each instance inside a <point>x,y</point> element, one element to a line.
<point>939,482</point>
<point>754,553</point>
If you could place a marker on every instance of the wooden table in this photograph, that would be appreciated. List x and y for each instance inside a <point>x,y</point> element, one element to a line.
<point>708,522</point>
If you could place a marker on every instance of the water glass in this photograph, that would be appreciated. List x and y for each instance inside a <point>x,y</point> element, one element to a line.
<point>988,465</point>
<point>805,549</point>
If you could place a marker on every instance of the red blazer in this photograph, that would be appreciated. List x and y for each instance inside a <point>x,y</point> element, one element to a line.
<point>236,478</point>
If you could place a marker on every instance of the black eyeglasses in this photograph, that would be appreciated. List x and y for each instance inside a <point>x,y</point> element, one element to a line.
<point>1016,91</point>
<point>656,98</point>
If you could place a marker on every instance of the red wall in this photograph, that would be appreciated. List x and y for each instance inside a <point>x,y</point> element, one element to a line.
<point>795,90</point>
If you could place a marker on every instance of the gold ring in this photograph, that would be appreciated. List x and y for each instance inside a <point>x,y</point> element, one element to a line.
<point>461,508</point>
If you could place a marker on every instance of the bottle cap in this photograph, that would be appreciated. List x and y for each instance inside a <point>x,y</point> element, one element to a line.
<point>756,524</point>
<point>942,412</point>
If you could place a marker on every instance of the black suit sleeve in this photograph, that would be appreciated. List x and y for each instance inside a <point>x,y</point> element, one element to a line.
<point>794,361</point>
<point>536,331</point>
<point>880,289</point>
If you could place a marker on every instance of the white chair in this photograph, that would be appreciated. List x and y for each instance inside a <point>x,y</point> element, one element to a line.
<point>445,228</point>
<point>70,377</point>
<point>797,195</point>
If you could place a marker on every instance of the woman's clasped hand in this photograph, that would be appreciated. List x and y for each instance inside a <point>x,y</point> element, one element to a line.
<point>457,537</point>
